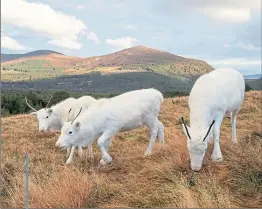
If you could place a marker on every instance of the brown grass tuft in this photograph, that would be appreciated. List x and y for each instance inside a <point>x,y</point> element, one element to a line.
<point>65,189</point>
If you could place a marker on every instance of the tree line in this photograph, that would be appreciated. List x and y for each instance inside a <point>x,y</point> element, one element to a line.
<point>13,102</point>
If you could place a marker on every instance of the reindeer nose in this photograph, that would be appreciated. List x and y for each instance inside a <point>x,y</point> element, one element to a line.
<point>196,168</point>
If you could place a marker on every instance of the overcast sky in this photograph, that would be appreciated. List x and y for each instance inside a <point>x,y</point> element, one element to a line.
<point>225,33</point>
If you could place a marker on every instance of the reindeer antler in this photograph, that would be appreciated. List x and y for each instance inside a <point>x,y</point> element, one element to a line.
<point>29,105</point>
<point>76,116</point>
<point>68,114</point>
<point>48,101</point>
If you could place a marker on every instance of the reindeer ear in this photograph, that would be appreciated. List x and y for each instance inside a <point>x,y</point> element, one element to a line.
<point>186,130</point>
<point>77,125</point>
<point>209,130</point>
<point>49,111</point>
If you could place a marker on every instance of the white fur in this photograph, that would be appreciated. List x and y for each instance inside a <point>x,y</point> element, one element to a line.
<point>125,112</point>
<point>84,102</point>
<point>54,117</point>
<point>213,95</point>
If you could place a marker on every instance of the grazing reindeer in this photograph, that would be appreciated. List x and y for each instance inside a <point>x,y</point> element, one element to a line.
<point>53,118</point>
<point>213,95</point>
<point>125,112</point>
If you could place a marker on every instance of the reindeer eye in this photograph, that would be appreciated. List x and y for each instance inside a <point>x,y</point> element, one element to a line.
<point>70,132</point>
<point>46,116</point>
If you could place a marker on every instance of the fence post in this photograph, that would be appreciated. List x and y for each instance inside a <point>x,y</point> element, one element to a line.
<point>26,181</point>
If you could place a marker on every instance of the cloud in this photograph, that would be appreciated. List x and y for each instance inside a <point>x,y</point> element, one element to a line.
<point>66,43</point>
<point>235,62</point>
<point>227,45</point>
<point>9,43</point>
<point>248,47</point>
<point>243,65</point>
<point>243,71</point>
<point>122,43</point>
<point>163,36</point>
<point>228,14</point>
<point>44,20</point>
<point>93,37</point>
<point>252,4</point>
<point>80,6</point>
<point>130,27</point>
<point>233,11</point>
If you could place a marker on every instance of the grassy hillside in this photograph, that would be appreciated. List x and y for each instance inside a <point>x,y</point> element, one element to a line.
<point>147,59</point>
<point>9,57</point>
<point>171,69</point>
<point>37,67</point>
<point>30,70</point>
<point>162,180</point>
<point>139,58</point>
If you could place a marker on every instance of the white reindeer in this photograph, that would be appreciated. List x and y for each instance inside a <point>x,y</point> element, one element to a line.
<point>213,95</point>
<point>125,112</point>
<point>53,118</point>
<point>72,114</point>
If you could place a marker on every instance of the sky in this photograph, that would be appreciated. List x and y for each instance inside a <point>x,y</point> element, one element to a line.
<point>224,33</point>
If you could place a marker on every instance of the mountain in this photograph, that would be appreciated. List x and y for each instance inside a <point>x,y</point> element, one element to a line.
<point>147,59</point>
<point>9,57</point>
<point>134,55</point>
<point>44,63</point>
<point>254,76</point>
<point>50,58</point>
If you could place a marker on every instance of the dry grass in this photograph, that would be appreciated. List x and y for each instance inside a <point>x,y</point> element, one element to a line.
<point>74,71</point>
<point>161,180</point>
<point>102,70</point>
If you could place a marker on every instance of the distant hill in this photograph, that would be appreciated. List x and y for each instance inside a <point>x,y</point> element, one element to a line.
<point>135,59</point>
<point>134,55</point>
<point>254,76</point>
<point>9,57</point>
<point>147,59</point>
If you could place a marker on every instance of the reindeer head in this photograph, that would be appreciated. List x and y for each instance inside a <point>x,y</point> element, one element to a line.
<point>196,144</point>
<point>47,119</point>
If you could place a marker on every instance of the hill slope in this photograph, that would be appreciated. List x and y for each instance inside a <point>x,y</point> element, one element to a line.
<point>133,55</point>
<point>161,180</point>
<point>138,58</point>
<point>147,59</point>
<point>9,57</point>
